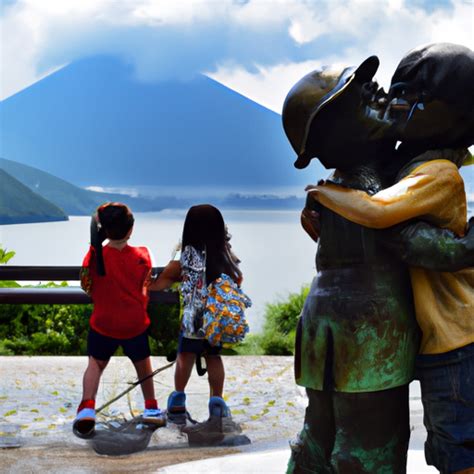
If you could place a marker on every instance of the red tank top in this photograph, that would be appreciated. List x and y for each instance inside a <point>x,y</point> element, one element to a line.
<point>121,296</point>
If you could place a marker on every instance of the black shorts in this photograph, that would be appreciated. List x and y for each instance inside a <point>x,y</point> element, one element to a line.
<point>197,346</point>
<point>103,347</point>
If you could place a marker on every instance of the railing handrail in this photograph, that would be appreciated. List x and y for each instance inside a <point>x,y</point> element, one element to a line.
<point>45,273</point>
<point>65,295</point>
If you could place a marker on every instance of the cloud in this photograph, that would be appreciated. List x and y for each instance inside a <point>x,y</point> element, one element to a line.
<point>257,47</point>
<point>387,29</point>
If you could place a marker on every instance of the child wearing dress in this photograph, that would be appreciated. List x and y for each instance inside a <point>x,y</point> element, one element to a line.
<point>116,277</point>
<point>206,255</point>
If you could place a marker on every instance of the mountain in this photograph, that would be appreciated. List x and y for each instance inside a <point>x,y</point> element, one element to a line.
<point>72,199</point>
<point>93,123</point>
<point>19,205</point>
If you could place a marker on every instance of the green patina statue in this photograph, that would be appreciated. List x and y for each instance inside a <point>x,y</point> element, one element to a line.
<point>357,337</point>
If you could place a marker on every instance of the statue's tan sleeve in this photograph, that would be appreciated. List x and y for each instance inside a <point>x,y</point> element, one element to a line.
<point>433,191</point>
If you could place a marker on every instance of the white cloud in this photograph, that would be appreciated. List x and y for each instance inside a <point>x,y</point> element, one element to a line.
<point>259,47</point>
<point>269,85</point>
<point>388,31</point>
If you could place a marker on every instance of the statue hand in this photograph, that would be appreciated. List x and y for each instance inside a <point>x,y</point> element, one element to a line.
<point>311,223</point>
<point>312,187</point>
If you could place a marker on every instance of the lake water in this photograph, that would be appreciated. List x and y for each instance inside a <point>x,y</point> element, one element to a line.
<point>277,256</point>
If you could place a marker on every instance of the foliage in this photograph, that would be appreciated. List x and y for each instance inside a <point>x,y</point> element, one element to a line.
<point>252,345</point>
<point>278,337</point>
<point>29,329</point>
<point>164,328</point>
<point>5,256</point>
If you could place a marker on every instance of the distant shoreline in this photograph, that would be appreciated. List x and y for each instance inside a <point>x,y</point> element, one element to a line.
<point>293,204</point>
<point>5,220</point>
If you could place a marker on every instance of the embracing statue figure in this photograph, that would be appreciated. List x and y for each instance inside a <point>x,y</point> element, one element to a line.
<point>358,336</point>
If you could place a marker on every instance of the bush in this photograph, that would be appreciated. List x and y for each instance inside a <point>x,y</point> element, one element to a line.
<point>44,329</point>
<point>279,330</point>
<point>164,328</point>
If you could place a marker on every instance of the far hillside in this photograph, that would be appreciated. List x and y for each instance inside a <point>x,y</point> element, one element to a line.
<point>18,204</point>
<point>75,201</point>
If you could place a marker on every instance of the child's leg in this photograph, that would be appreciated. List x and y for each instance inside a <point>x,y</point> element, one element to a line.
<point>143,368</point>
<point>447,393</point>
<point>215,374</point>
<point>91,379</point>
<point>176,406</point>
<point>184,367</point>
<point>138,351</point>
<point>100,348</point>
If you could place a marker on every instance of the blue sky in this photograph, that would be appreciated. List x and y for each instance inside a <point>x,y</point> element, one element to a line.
<point>258,47</point>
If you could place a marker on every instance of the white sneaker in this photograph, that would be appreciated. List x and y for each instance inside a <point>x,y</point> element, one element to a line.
<point>154,416</point>
<point>84,423</point>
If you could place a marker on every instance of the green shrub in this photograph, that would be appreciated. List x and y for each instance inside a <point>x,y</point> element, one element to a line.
<point>164,328</point>
<point>252,345</point>
<point>5,256</point>
<point>29,329</point>
<point>278,337</point>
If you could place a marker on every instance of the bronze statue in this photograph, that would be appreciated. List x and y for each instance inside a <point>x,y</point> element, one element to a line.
<point>357,336</point>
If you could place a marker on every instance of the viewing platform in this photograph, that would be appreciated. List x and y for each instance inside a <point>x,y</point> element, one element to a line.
<point>39,397</point>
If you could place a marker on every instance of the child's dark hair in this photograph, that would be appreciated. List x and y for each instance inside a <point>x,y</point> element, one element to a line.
<point>204,229</point>
<point>116,219</point>
<point>112,220</point>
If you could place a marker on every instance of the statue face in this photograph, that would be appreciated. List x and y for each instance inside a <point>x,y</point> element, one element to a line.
<point>419,119</point>
<point>352,128</point>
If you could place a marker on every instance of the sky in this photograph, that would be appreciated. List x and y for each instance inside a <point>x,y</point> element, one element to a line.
<point>259,48</point>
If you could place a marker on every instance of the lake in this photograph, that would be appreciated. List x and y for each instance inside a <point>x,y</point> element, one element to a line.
<point>277,256</point>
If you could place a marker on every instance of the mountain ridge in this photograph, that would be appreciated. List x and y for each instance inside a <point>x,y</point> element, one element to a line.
<point>19,205</point>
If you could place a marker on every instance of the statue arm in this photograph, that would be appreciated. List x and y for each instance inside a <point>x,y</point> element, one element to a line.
<point>423,245</point>
<point>423,193</point>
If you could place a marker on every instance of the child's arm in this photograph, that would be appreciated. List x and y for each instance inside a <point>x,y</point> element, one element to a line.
<point>85,274</point>
<point>432,189</point>
<point>170,274</point>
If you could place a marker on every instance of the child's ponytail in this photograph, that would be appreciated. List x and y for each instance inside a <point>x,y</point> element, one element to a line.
<point>97,238</point>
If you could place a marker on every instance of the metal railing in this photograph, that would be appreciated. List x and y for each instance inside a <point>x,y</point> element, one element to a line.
<point>66,295</point>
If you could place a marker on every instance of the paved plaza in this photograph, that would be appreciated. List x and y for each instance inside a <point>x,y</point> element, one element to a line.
<point>39,396</point>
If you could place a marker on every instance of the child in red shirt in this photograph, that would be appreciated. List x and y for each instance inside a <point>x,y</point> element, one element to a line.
<point>116,277</point>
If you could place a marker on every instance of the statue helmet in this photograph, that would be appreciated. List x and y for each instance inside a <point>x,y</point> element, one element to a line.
<point>431,97</point>
<point>311,95</point>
